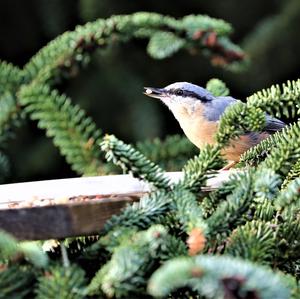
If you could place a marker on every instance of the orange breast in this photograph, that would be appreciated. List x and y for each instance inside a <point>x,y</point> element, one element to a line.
<point>238,146</point>
<point>195,126</point>
<point>201,132</point>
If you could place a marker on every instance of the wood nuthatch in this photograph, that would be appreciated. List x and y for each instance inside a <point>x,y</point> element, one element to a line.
<point>198,113</point>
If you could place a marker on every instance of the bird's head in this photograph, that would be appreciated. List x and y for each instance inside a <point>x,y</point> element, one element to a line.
<point>181,95</point>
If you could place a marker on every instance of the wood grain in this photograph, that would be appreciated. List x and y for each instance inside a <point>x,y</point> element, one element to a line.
<point>60,221</point>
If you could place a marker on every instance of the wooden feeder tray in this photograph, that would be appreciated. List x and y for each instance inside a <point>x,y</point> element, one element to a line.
<point>71,207</point>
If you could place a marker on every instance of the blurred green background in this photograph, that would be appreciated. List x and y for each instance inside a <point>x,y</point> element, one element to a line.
<point>110,89</point>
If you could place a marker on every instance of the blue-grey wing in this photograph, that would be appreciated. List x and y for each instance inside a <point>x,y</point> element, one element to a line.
<point>273,124</point>
<point>215,109</point>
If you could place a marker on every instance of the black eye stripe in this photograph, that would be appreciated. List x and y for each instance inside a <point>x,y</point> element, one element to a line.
<point>187,93</point>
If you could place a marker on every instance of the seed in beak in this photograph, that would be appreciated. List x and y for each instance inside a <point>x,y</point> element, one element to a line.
<point>148,91</point>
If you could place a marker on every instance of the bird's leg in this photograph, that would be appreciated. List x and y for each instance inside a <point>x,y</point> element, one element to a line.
<point>229,165</point>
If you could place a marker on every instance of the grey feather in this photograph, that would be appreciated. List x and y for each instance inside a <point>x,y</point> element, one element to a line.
<point>215,109</point>
<point>273,124</point>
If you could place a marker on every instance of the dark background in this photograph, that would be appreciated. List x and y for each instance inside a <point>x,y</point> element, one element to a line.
<point>110,89</point>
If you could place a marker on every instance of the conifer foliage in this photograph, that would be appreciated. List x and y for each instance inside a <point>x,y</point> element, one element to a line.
<point>240,241</point>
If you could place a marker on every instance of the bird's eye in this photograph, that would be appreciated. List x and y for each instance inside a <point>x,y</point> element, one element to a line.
<point>179,92</point>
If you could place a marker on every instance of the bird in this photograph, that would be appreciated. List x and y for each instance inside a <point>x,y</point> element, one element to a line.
<point>198,112</point>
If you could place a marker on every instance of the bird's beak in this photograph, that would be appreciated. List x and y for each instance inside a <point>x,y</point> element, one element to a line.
<point>155,92</point>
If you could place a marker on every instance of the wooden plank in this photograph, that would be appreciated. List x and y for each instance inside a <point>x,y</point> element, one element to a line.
<point>75,218</point>
<point>59,221</point>
<point>104,185</point>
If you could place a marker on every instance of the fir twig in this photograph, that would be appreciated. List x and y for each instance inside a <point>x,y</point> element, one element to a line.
<point>293,174</point>
<point>16,282</point>
<point>286,153</point>
<point>149,210</point>
<point>172,153</point>
<point>278,100</point>
<point>11,249</point>
<point>133,162</point>
<point>124,274</point>
<point>64,55</point>
<point>253,241</point>
<point>288,200</point>
<point>217,87</point>
<point>258,153</point>
<point>229,214</point>
<point>66,282</point>
<point>73,133</point>
<point>200,168</point>
<point>187,210</point>
<point>251,187</point>
<point>11,79</point>
<point>11,116</point>
<point>215,276</point>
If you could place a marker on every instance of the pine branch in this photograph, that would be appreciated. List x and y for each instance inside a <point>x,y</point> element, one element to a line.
<point>296,290</point>
<point>149,210</point>
<point>286,153</point>
<point>278,150</point>
<point>11,77</point>
<point>251,187</point>
<point>278,100</point>
<point>187,210</point>
<point>266,188</point>
<point>133,162</point>
<point>263,210</point>
<point>16,282</point>
<point>76,245</point>
<point>288,201</point>
<point>217,87</point>
<point>33,253</point>
<point>10,111</point>
<point>292,175</point>
<point>229,214</point>
<point>124,275</point>
<point>171,153</point>
<point>287,244</point>
<point>8,246</point>
<point>10,116</point>
<point>154,209</point>
<point>217,277</point>
<point>266,185</point>
<point>189,215</point>
<point>164,44</point>
<point>253,241</point>
<point>212,200</point>
<point>11,249</point>
<point>65,54</point>
<point>261,221</point>
<point>258,153</point>
<point>200,168</point>
<point>73,133</point>
<point>184,204</point>
<point>67,282</point>
<point>114,238</point>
